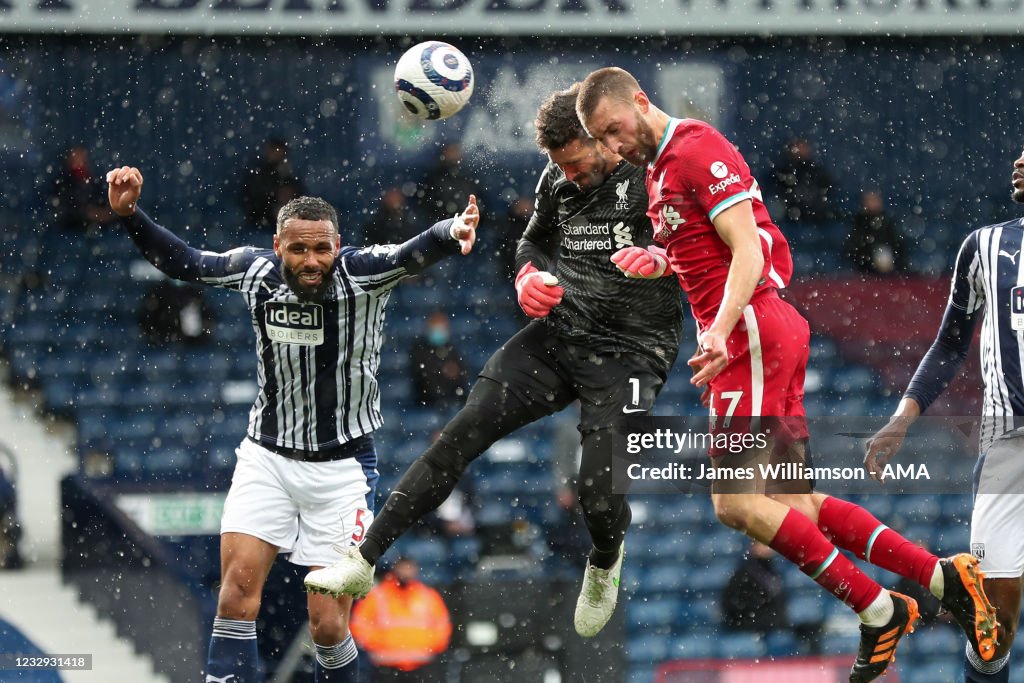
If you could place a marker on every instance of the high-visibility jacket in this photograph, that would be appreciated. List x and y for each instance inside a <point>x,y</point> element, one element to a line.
<point>401,627</point>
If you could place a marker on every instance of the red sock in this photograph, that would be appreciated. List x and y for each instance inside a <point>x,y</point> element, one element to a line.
<point>803,544</point>
<point>852,527</point>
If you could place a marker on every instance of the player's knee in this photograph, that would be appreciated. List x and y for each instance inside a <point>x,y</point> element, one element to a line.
<point>238,599</point>
<point>328,627</point>
<point>594,503</point>
<point>734,511</point>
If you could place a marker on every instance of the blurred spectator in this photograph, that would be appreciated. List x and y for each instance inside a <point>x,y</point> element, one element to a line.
<point>10,528</point>
<point>438,372</point>
<point>803,185</point>
<point>77,197</point>
<point>175,312</point>
<point>269,184</point>
<point>446,187</point>
<point>403,625</point>
<point>455,515</point>
<point>754,600</point>
<point>393,222</point>
<point>875,244</point>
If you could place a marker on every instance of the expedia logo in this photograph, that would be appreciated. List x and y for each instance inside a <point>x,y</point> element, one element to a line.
<point>715,188</point>
<point>292,323</point>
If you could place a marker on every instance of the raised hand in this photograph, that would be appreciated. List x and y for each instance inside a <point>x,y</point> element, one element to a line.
<point>464,228</point>
<point>124,186</point>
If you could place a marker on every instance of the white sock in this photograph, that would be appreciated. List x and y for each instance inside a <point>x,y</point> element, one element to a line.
<point>879,612</point>
<point>938,583</point>
<point>336,656</point>
<point>983,667</point>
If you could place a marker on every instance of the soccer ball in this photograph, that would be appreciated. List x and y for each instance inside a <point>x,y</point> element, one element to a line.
<point>434,80</point>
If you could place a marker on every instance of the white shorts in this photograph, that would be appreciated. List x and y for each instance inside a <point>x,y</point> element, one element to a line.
<point>997,523</point>
<point>303,508</point>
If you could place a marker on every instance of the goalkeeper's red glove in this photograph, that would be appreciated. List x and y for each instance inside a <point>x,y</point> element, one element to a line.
<point>537,290</point>
<point>641,263</point>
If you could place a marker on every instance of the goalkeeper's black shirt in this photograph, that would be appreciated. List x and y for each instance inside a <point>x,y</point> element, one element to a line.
<point>573,234</point>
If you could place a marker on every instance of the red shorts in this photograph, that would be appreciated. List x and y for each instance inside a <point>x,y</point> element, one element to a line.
<point>768,351</point>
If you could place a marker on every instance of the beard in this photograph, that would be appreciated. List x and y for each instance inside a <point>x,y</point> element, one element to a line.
<point>1017,196</point>
<point>305,292</point>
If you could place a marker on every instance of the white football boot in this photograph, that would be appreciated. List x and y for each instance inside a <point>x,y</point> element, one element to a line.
<point>351,575</point>
<point>598,597</point>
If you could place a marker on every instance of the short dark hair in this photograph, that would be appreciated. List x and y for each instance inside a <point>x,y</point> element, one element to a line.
<point>611,82</point>
<point>307,209</point>
<point>557,124</point>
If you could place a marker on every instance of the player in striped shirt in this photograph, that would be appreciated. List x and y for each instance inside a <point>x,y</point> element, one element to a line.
<point>731,259</point>
<point>307,461</point>
<point>987,285</point>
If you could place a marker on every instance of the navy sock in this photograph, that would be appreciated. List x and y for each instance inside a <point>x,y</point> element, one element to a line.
<point>337,663</point>
<point>233,652</point>
<point>976,670</point>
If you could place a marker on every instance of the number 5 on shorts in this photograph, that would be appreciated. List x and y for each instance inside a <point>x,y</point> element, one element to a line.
<point>363,519</point>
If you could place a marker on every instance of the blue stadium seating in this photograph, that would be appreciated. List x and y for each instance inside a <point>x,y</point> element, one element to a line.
<point>646,613</point>
<point>701,644</point>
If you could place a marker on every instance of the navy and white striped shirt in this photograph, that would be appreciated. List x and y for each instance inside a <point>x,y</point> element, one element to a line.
<point>317,360</point>
<point>988,283</point>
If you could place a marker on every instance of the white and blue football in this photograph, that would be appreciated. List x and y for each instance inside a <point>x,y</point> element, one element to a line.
<point>434,80</point>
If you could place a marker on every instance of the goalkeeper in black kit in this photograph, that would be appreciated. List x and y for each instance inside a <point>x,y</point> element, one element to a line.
<point>597,336</point>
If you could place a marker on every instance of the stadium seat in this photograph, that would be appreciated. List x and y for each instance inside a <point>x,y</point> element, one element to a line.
<point>701,644</point>
<point>840,643</point>
<point>648,613</point>
<point>917,508</point>
<point>934,641</point>
<point>664,578</point>
<point>781,644</point>
<point>740,645</point>
<point>641,674</point>
<point>649,648</point>
<point>939,667</point>
<point>720,542</point>
<point>711,577</point>
<point>808,608</point>
<point>704,610</point>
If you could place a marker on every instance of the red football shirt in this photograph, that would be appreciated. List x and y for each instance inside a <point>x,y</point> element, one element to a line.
<point>695,176</point>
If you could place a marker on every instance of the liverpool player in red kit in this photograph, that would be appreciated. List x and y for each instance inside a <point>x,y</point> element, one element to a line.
<point>730,259</point>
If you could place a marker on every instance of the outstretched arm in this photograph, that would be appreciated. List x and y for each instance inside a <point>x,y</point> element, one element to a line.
<point>165,250</point>
<point>935,372</point>
<point>375,266</point>
<point>940,365</point>
<point>738,229</point>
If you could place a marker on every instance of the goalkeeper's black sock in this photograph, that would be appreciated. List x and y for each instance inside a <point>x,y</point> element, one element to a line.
<point>421,490</point>
<point>603,559</point>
